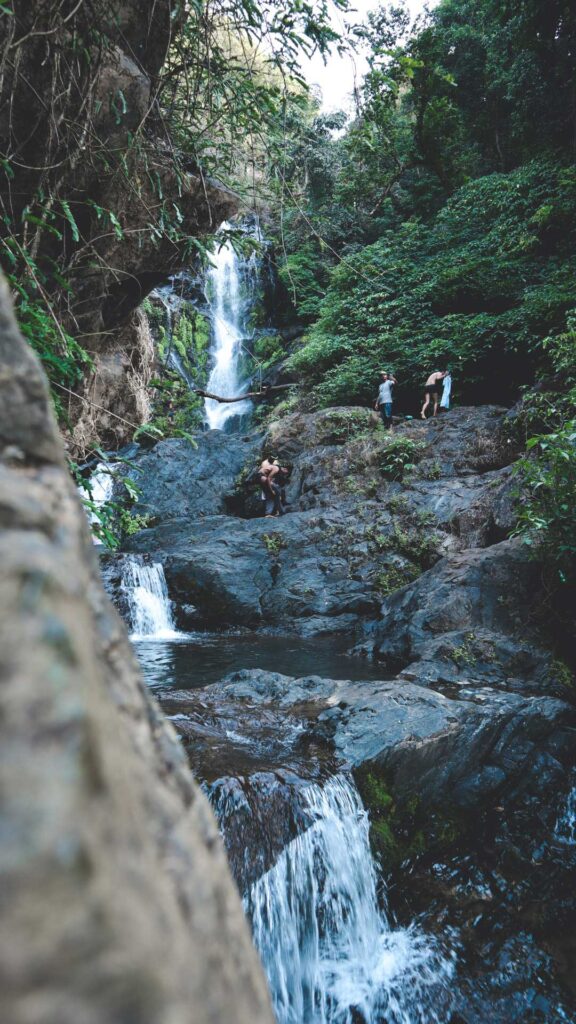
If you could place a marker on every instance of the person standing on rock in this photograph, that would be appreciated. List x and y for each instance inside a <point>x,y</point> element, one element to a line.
<point>271,492</point>
<point>432,392</point>
<point>384,401</point>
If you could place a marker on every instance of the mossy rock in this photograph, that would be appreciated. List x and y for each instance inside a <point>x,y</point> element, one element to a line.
<point>404,830</point>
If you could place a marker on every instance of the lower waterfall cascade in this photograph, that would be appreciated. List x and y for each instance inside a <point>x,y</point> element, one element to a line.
<point>329,951</point>
<point>147,595</point>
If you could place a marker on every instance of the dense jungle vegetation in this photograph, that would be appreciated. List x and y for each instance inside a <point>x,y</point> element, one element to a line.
<point>436,224</point>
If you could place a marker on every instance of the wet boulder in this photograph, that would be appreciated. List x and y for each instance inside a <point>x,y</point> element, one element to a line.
<point>460,750</point>
<point>281,572</point>
<point>492,590</point>
<point>179,480</point>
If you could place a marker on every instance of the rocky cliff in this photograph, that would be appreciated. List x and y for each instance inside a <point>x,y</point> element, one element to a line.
<point>105,215</point>
<point>117,900</point>
<point>464,750</point>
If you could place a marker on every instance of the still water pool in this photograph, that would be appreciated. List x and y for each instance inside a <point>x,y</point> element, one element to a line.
<point>193,660</point>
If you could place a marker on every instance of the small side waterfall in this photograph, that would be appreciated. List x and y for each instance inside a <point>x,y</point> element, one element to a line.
<point>149,604</point>
<point>329,951</point>
<point>565,830</point>
<point>228,290</point>
<point>102,483</point>
<point>170,296</point>
<point>102,487</point>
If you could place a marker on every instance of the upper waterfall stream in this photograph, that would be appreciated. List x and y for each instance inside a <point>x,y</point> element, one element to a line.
<point>229,287</point>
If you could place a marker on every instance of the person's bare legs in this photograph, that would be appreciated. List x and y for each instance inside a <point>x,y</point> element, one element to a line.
<point>425,406</point>
<point>436,400</point>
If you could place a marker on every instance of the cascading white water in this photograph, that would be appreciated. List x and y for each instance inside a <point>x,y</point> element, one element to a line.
<point>565,830</point>
<point>228,310</point>
<point>101,488</point>
<point>329,951</point>
<point>102,484</point>
<point>150,607</point>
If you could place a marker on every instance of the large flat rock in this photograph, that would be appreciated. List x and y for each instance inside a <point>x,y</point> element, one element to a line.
<point>451,751</point>
<point>281,572</point>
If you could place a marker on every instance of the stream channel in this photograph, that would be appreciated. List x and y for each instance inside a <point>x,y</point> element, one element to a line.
<point>295,829</point>
<point>318,909</point>
<point>291,817</point>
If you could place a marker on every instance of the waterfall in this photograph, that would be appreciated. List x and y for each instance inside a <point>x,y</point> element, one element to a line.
<point>330,952</point>
<point>102,483</point>
<point>565,830</point>
<point>102,486</point>
<point>228,279</point>
<point>148,601</point>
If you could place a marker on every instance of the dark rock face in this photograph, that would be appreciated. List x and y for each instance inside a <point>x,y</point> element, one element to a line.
<point>472,615</point>
<point>280,572</point>
<point>178,481</point>
<point>464,794</point>
<point>325,566</point>
<point>117,900</point>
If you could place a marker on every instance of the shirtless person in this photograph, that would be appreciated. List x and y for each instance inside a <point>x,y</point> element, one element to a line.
<point>432,392</point>
<point>270,491</point>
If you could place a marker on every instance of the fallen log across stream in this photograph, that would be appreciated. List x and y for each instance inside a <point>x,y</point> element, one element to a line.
<point>263,393</point>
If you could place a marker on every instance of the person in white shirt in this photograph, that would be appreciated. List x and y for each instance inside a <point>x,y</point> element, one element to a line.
<point>384,401</point>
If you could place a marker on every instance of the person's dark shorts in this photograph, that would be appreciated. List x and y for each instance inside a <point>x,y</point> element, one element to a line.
<point>433,392</point>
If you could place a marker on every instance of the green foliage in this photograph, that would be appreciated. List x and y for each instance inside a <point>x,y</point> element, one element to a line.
<point>130,522</point>
<point>112,521</point>
<point>547,513</point>
<point>178,411</point>
<point>464,654</point>
<point>481,286</point>
<point>395,577</point>
<point>274,543</point>
<point>64,360</point>
<point>338,426</point>
<point>268,349</point>
<point>398,456</point>
<point>415,543</point>
<point>405,830</point>
<point>502,77</point>
<point>189,338</point>
<point>232,68</point>
<point>304,274</point>
<point>554,402</point>
<point>432,470</point>
<point>562,674</point>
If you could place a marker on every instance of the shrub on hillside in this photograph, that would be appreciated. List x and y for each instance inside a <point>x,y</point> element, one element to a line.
<point>480,287</point>
<point>547,515</point>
